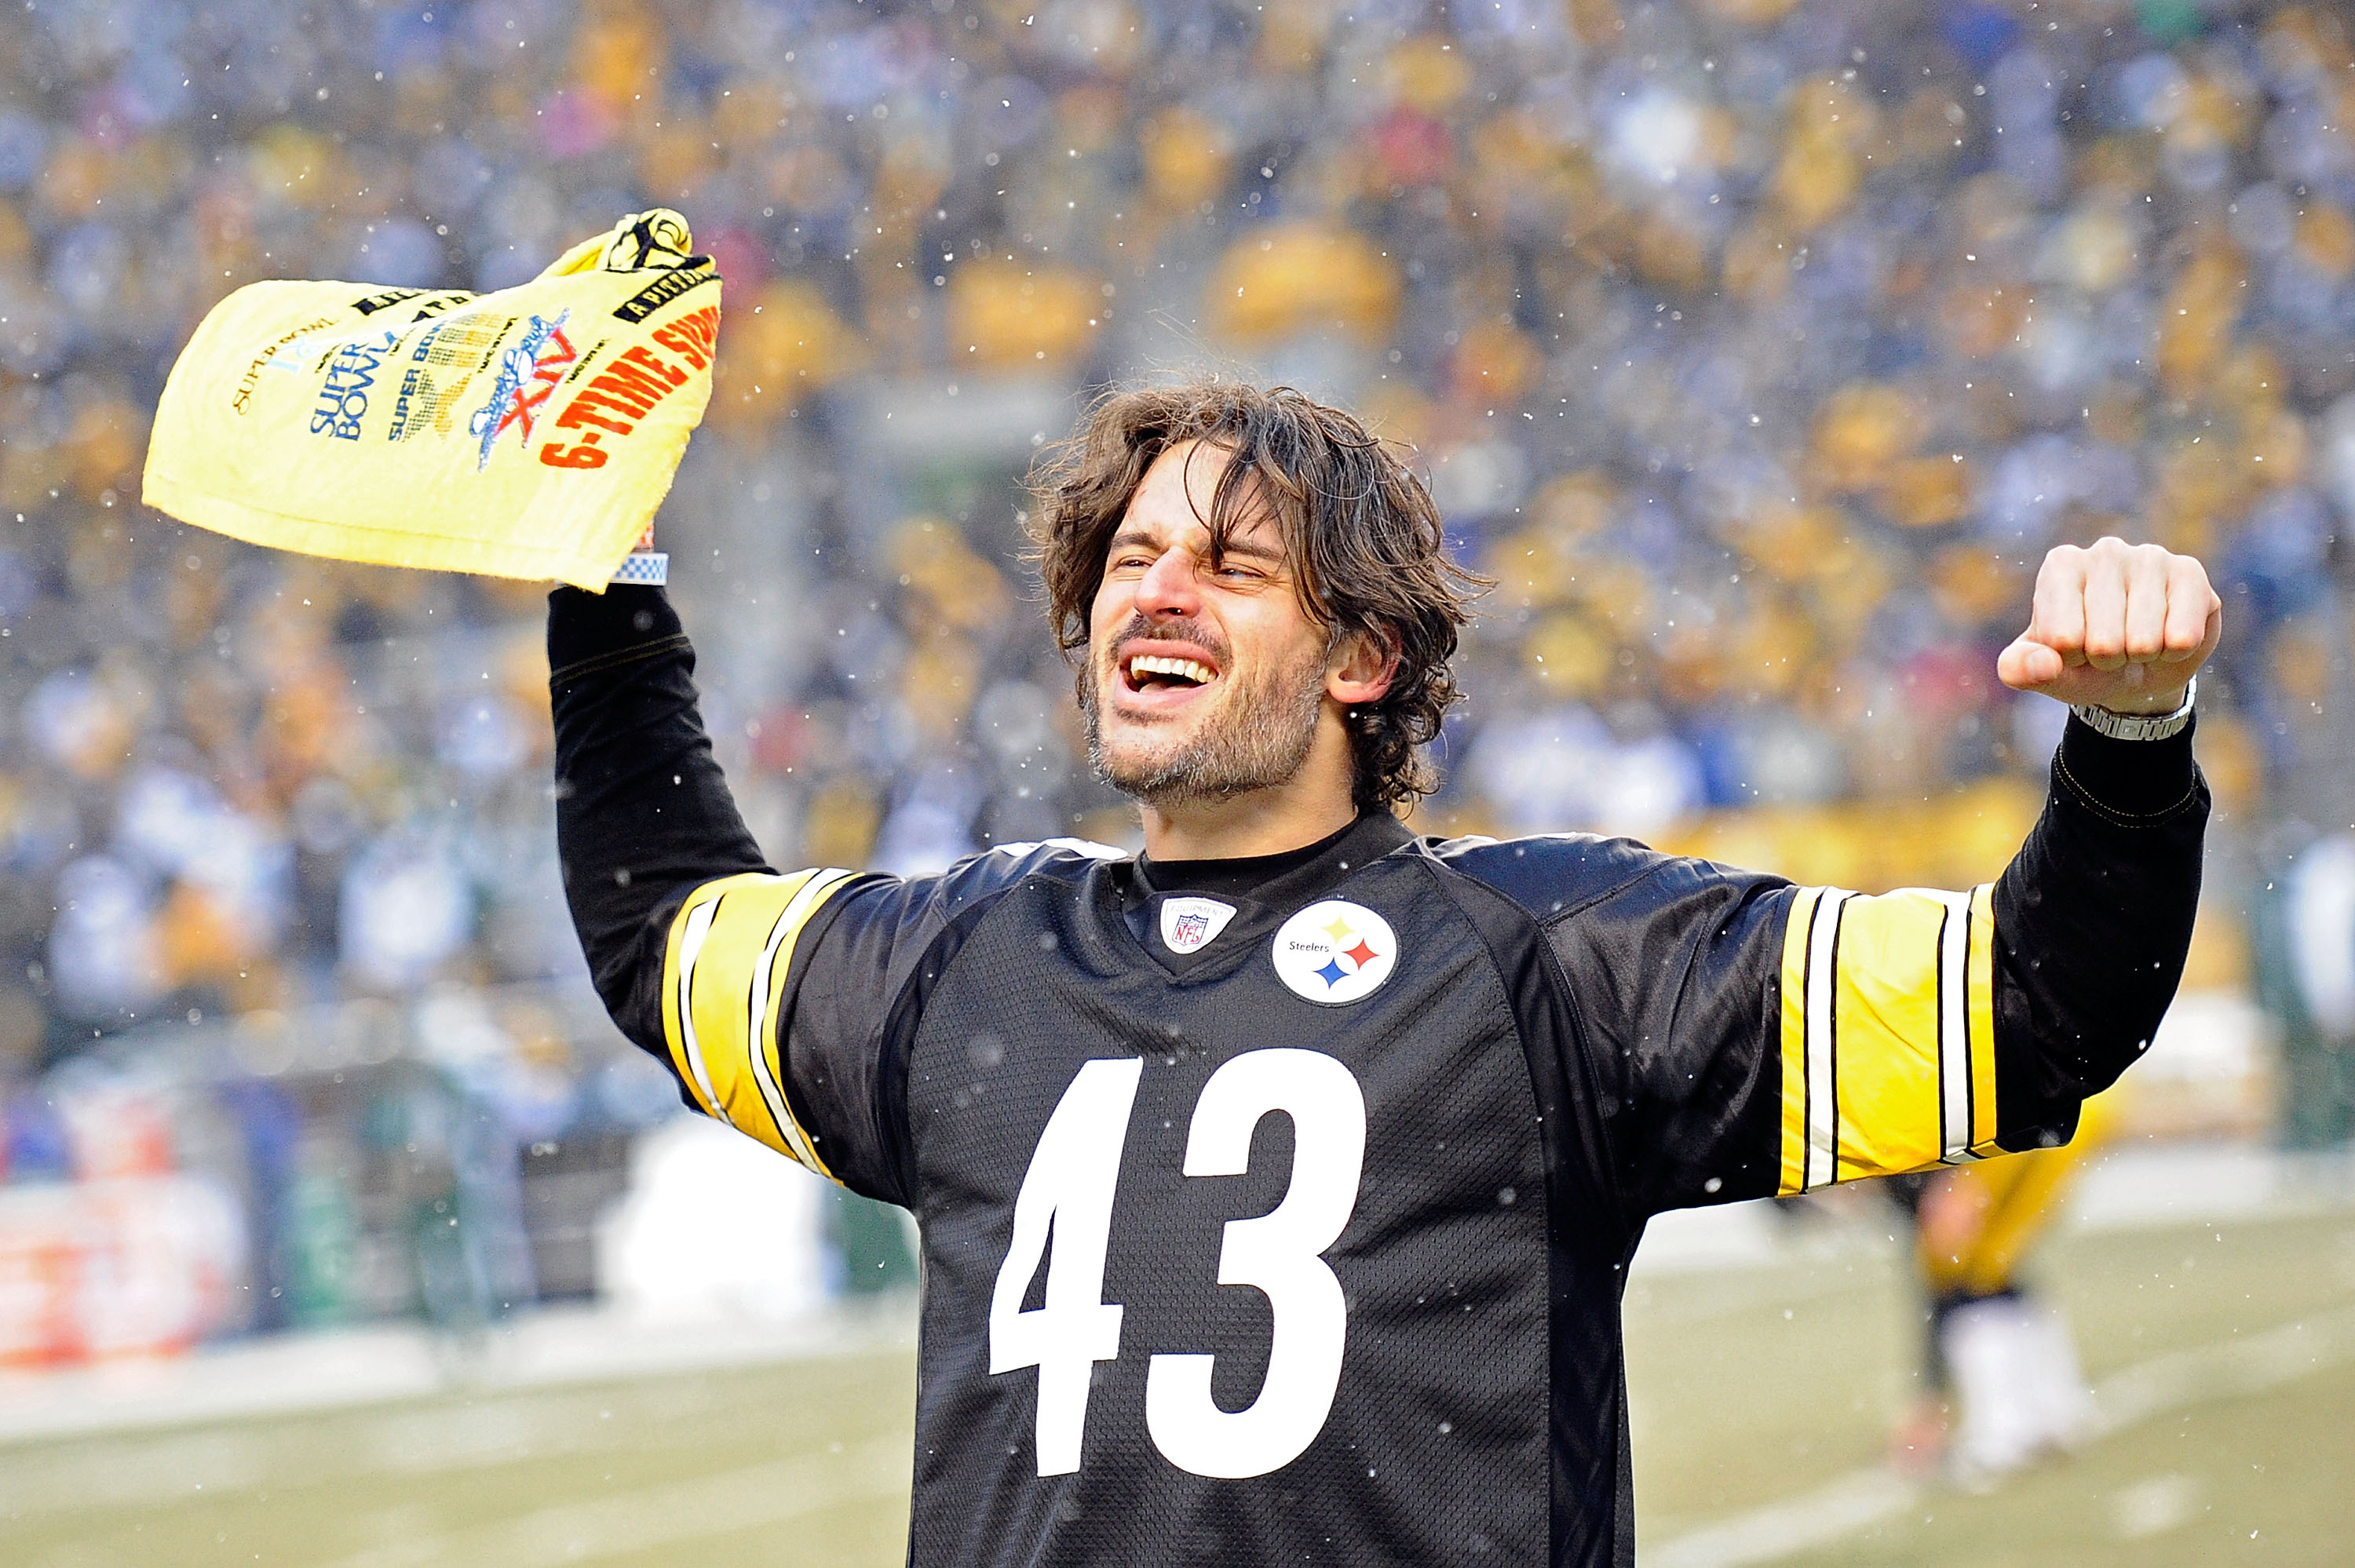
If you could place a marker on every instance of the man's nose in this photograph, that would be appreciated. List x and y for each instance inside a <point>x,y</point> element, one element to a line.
<point>1169,586</point>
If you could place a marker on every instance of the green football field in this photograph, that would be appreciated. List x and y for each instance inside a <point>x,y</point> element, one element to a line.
<point>2224,1360</point>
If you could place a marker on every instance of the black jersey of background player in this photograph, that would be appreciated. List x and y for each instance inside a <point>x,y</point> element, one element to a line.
<point>1279,1212</point>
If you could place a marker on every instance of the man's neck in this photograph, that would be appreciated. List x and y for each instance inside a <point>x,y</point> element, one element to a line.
<point>1263,821</point>
<point>1316,802</point>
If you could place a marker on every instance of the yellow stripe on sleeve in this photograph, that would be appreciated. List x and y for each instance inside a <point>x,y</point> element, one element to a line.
<point>731,945</point>
<point>689,931</point>
<point>1980,986</point>
<point>1887,1009</point>
<point>1795,1040</point>
<point>1888,1034</point>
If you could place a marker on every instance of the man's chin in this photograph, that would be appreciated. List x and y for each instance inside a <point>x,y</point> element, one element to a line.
<point>1139,769</point>
<point>1150,760</point>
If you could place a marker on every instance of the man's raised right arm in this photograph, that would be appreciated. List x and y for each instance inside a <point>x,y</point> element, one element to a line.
<point>692,940</point>
<point>643,815</point>
<point>783,1003</point>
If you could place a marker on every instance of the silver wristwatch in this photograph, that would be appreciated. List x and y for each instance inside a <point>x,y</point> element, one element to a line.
<point>2140,726</point>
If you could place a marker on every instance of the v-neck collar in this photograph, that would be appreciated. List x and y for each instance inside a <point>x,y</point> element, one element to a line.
<point>1259,911</point>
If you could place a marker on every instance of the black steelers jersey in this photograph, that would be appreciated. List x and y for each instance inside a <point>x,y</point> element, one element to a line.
<point>1286,1219</point>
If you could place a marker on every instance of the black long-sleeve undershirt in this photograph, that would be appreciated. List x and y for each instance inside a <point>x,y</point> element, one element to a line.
<point>2093,921</point>
<point>643,813</point>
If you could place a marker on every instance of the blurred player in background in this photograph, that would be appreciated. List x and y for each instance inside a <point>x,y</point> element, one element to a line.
<point>2001,1383</point>
<point>1494,1060</point>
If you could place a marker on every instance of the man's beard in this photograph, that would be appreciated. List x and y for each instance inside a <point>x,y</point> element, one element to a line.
<point>1260,738</point>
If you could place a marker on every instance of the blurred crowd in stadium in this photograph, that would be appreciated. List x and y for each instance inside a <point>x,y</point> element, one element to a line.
<point>1758,349</point>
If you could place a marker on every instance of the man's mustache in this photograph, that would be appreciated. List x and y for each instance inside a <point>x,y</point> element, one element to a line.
<point>1140,630</point>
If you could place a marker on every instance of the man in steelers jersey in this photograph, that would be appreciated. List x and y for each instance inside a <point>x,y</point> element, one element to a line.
<point>1277,1184</point>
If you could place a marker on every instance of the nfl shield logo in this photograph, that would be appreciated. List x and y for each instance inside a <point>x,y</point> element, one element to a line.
<point>1190,924</point>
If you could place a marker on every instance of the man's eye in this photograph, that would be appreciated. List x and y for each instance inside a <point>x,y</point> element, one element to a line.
<point>1241,574</point>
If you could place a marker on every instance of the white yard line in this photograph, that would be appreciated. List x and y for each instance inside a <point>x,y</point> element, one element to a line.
<point>2241,1365</point>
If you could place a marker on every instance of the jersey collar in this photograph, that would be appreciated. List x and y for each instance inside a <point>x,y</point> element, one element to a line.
<point>1263,889</point>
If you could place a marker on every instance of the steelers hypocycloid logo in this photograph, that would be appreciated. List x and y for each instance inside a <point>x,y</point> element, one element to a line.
<point>1334,952</point>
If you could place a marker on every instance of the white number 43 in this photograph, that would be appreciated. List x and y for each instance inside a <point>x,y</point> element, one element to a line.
<point>1068,1190</point>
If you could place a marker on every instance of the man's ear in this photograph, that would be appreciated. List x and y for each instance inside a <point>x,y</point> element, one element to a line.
<point>1359,670</point>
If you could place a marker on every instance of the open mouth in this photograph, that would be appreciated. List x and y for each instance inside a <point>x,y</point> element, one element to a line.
<point>1153,671</point>
<point>1149,670</point>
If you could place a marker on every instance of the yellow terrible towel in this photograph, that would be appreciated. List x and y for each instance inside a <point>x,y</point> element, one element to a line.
<point>528,433</point>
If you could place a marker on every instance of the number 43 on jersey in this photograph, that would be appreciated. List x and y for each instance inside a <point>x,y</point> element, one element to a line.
<point>1068,1190</point>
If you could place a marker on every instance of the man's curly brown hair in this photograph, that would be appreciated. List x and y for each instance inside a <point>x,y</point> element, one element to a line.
<point>1359,532</point>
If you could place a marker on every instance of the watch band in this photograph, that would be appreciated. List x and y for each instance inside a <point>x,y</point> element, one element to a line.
<point>649,567</point>
<point>2139,726</point>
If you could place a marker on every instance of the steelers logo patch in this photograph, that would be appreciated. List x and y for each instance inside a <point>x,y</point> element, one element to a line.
<point>1334,952</point>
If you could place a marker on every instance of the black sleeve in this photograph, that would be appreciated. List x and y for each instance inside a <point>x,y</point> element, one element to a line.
<point>1674,973</point>
<point>643,815</point>
<point>1749,1037</point>
<point>2092,919</point>
<point>782,1002</point>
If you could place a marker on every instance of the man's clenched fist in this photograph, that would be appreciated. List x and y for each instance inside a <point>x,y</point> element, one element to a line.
<point>2120,626</point>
